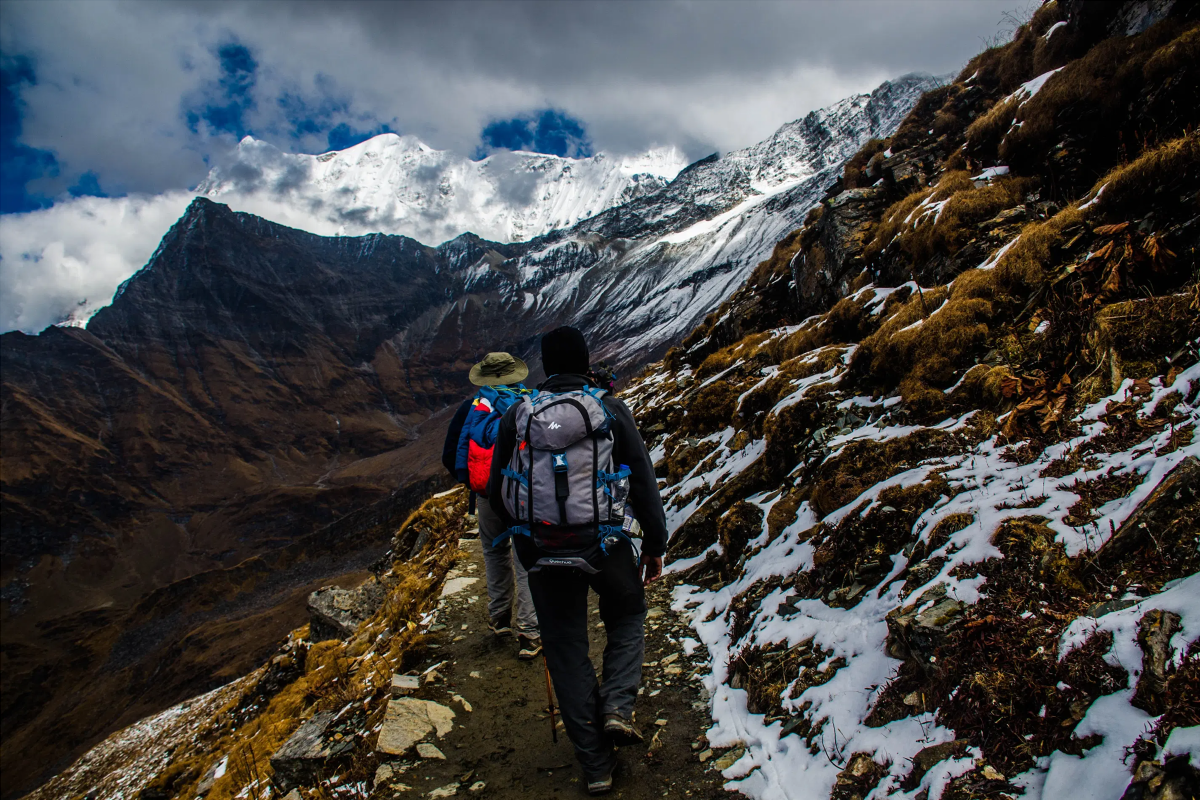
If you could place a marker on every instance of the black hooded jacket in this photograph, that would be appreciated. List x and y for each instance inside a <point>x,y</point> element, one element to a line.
<point>628,449</point>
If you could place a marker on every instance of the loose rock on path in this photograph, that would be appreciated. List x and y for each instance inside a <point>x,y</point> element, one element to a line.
<point>500,744</point>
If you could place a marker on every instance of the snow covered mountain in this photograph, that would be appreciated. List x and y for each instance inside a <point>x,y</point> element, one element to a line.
<point>397,184</point>
<point>638,276</point>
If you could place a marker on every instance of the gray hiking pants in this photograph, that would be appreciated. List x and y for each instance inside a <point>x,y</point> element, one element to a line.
<point>560,594</point>
<point>503,573</point>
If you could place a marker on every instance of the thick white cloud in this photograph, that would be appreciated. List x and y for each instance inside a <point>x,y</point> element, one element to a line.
<point>65,262</point>
<point>114,77</point>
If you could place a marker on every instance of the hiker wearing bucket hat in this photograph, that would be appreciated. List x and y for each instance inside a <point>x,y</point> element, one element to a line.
<point>471,437</point>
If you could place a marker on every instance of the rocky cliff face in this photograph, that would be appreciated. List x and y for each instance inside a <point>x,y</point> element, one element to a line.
<point>255,383</point>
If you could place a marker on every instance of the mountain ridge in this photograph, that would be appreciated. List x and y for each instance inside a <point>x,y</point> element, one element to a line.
<point>255,381</point>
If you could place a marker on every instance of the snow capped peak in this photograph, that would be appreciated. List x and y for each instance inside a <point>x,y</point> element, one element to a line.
<point>398,184</point>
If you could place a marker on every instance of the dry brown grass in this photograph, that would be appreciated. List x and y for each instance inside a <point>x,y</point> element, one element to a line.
<point>893,221</point>
<point>711,409</point>
<point>1126,187</point>
<point>1094,95</point>
<point>923,358</point>
<point>913,129</point>
<point>920,235</point>
<point>987,131</point>
<point>1006,67</point>
<point>335,672</point>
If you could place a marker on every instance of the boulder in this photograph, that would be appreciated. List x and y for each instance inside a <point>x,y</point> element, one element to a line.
<point>430,750</point>
<point>336,613</point>
<point>928,757</point>
<point>821,274</point>
<point>730,757</point>
<point>408,721</point>
<point>1155,630</point>
<point>1168,509</point>
<point>915,630</point>
<point>403,685</point>
<point>1173,778</point>
<point>303,756</point>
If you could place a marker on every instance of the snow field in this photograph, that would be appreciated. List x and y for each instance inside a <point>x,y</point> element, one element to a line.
<point>992,490</point>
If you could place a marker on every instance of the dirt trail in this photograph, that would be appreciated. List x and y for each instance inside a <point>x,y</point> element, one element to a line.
<point>504,741</point>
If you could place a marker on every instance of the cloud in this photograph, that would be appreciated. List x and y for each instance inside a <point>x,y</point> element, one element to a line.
<point>147,95</point>
<point>67,260</point>
<point>515,187</point>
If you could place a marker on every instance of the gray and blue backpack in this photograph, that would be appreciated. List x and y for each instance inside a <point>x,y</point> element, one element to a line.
<point>559,483</point>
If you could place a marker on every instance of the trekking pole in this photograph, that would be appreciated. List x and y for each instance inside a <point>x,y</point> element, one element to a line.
<point>550,700</point>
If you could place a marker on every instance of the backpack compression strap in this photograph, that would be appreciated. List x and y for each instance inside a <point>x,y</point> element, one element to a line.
<point>562,489</point>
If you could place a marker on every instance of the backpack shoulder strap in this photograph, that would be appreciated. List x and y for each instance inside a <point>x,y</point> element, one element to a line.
<point>598,395</point>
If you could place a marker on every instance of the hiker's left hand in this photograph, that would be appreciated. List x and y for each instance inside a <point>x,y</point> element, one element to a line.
<point>651,569</point>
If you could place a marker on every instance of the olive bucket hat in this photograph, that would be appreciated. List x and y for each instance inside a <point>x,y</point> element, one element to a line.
<point>499,369</point>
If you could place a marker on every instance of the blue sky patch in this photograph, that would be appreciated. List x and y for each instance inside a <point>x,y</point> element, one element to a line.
<point>549,131</point>
<point>228,99</point>
<point>19,163</point>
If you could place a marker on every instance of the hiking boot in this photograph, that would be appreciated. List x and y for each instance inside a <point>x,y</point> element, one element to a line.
<point>601,785</point>
<point>621,731</point>
<point>500,627</point>
<point>531,648</point>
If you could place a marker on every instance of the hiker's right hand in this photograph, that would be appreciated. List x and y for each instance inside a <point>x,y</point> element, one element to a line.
<point>651,569</point>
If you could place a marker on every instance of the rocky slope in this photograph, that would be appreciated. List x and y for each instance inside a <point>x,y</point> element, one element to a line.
<point>932,475</point>
<point>412,694</point>
<point>255,384</point>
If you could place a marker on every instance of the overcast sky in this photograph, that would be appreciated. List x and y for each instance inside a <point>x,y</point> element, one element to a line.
<point>142,96</point>
<point>111,110</point>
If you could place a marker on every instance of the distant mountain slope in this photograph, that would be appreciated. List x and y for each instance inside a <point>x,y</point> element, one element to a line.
<point>640,275</point>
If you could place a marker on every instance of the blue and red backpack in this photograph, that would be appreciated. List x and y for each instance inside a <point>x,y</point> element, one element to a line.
<point>478,438</point>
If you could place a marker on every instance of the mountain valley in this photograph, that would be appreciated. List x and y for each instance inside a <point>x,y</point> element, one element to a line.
<point>259,404</point>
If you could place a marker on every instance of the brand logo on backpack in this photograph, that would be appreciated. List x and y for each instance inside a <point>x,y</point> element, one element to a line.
<point>554,426</point>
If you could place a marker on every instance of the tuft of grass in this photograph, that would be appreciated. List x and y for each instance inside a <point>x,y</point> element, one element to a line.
<point>1104,109</point>
<point>1163,168</point>
<point>913,129</point>
<point>925,342</point>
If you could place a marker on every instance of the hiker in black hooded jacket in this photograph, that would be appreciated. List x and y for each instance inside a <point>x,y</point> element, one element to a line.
<point>597,717</point>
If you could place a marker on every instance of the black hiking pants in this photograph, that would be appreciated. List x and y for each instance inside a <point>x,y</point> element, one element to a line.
<point>560,597</point>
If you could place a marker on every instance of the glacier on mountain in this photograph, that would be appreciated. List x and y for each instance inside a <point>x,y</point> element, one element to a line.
<point>399,185</point>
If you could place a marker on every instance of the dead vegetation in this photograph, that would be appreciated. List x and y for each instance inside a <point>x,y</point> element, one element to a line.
<point>328,676</point>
